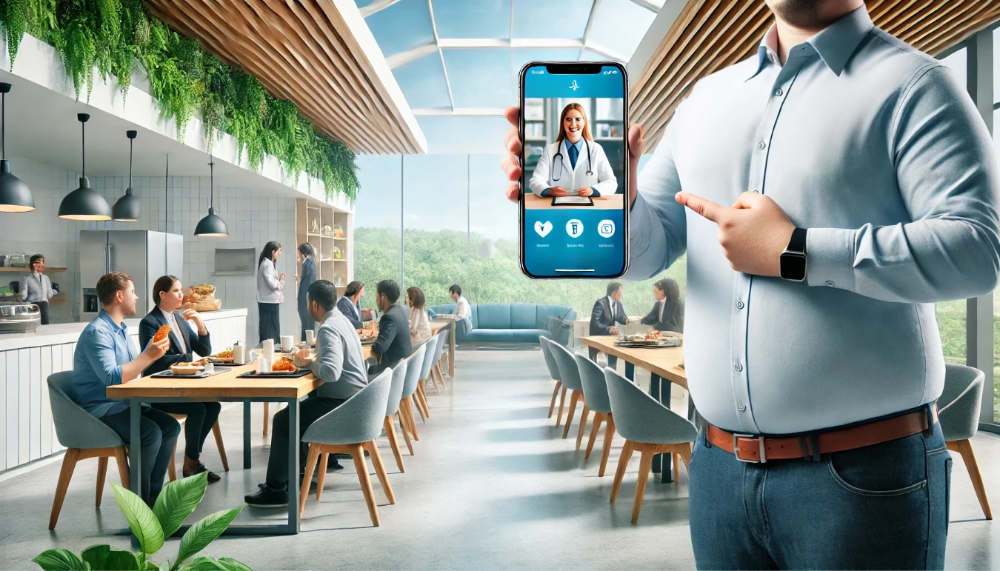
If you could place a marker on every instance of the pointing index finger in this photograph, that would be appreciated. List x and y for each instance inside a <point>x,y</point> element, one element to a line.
<point>706,208</point>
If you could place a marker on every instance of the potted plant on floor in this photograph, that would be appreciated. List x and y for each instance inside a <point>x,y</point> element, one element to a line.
<point>151,527</point>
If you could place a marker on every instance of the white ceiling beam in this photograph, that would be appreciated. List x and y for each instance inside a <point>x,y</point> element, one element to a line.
<point>651,5</point>
<point>403,58</point>
<point>590,24</point>
<point>437,42</point>
<point>665,18</point>
<point>459,112</point>
<point>377,6</point>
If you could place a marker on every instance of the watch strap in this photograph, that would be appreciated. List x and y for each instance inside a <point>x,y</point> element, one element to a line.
<point>797,243</point>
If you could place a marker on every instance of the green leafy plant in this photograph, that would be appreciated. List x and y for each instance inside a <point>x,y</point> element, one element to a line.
<point>151,527</point>
<point>116,35</point>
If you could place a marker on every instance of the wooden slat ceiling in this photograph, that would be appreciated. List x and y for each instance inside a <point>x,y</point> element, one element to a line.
<point>317,53</point>
<point>709,35</point>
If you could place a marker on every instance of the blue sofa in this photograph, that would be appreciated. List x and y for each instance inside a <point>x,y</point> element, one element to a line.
<point>504,323</point>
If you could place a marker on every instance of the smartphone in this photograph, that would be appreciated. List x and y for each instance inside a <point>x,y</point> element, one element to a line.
<point>574,185</point>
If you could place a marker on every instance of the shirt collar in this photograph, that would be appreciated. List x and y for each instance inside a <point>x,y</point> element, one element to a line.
<point>835,44</point>
<point>166,314</point>
<point>114,326</point>
<point>577,144</point>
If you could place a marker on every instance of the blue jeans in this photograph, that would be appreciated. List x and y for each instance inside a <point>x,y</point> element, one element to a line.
<point>879,507</point>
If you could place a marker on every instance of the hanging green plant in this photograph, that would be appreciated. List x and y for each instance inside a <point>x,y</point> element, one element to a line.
<point>112,35</point>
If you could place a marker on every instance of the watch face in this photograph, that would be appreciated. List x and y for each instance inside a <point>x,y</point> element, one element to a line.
<point>793,267</point>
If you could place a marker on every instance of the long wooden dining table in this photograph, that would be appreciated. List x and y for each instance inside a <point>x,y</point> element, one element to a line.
<point>665,366</point>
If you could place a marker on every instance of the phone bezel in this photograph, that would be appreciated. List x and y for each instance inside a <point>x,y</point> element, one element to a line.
<point>569,67</point>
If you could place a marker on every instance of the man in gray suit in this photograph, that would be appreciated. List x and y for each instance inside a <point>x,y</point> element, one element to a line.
<point>608,311</point>
<point>340,363</point>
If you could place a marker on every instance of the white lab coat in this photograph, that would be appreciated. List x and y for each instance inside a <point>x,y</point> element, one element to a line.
<point>603,180</point>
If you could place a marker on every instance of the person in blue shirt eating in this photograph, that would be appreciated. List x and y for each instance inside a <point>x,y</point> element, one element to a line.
<point>104,357</point>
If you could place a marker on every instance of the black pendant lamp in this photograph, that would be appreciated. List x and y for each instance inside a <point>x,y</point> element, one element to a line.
<point>15,196</point>
<point>127,209</point>
<point>84,203</point>
<point>212,225</point>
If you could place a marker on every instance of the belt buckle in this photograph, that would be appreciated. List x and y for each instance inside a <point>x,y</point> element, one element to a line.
<point>736,449</point>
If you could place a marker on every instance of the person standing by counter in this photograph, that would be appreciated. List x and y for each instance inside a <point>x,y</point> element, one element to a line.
<point>307,258</point>
<point>168,298</point>
<point>270,286</point>
<point>36,287</point>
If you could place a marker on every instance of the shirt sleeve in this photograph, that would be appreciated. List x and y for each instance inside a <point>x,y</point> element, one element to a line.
<point>657,223</point>
<point>948,179</point>
<point>271,277</point>
<point>100,352</point>
<point>330,363</point>
<point>386,333</point>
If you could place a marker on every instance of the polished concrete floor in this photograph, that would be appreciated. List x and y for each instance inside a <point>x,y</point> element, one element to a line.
<point>492,486</point>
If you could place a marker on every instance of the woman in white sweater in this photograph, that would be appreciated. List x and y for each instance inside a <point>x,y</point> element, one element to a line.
<point>269,292</point>
<point>420,326</point>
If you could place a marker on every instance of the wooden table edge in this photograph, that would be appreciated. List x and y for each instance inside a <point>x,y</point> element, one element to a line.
<point>674,374</point>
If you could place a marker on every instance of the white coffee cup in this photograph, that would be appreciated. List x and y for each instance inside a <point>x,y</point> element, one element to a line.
<point>287,341</point>
<point>268,349</point>
<point>239,357</point>
<point>310,337</point>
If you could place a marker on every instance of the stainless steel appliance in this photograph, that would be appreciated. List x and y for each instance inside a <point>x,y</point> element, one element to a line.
<point>143,255</point>
<point>18,317</point>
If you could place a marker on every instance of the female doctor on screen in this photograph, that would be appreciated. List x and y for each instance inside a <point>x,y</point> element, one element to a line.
<point>574,164</point>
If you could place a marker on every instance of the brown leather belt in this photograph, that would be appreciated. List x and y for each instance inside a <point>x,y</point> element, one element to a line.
<point>760,449</point>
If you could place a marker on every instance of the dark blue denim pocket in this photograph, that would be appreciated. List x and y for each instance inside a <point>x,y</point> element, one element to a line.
<point>892,468</point>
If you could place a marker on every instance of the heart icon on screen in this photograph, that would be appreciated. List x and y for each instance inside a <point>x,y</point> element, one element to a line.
<point>543,229</point>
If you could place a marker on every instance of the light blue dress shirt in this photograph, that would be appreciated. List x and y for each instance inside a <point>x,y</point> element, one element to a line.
<point>97,364</point>
<point>878,151</point>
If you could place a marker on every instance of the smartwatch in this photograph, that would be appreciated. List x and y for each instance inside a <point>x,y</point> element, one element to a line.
<point>793,259</point>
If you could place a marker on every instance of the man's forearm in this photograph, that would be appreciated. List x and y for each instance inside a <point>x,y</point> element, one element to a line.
<point>135,367</point>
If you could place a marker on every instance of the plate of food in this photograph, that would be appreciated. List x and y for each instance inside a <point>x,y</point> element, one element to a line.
<point>189,369</point>
<point>651,338</point>
<point>222,357</point>
<point>283,367</point>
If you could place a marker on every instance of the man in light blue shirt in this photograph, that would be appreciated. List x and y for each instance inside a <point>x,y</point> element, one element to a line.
<point>105,357</point>
<point>864,188</point>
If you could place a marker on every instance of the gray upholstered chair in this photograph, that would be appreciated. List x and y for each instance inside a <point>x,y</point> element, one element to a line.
<point>569,373</point>
<point>351,428</point>
<point>391,410</point>
<point>410,382</point>
<point>648,427</point>
<point>550,362</point>
<point>84,436</point>
<point>595,394</point>
<point>425,369</point>
<point>958,413</point>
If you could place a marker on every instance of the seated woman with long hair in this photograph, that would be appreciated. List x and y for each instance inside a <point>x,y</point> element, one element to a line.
<point>420,326</point>
<point>185,341</point>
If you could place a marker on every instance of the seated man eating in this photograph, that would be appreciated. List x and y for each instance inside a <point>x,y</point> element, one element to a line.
<point>340,363</point>
<point>104,357</point>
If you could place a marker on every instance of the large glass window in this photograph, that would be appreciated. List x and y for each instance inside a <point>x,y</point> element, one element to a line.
<point>377,222</point>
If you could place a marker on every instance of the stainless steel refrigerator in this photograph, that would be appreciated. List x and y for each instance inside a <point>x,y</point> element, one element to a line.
<point>141,254</point>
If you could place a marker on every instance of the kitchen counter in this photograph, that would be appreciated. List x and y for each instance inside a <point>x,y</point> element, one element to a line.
<point>58,333</point>
<point>27,360</point>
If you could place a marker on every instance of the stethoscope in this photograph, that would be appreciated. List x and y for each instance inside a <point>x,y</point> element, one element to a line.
<point>558,158</point>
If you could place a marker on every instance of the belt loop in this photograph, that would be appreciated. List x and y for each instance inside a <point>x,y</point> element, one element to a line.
<point>805,446</point>
<point>814,445</point>
<point>930,419</point>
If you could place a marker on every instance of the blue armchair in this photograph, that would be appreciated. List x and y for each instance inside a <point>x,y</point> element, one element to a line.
<point>506,323</point>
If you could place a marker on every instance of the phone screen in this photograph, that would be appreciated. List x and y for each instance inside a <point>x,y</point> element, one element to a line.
<point>574,208</point>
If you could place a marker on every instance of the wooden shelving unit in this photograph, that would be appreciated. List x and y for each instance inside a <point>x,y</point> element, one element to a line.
<point>331,234</point>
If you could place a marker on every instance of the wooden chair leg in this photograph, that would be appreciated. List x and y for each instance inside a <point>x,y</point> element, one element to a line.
<point>622,466</point>
<point>964,448</point>
<point>406,433</point>
<point>420,406</point>
<point>583,424</point>
<point>217,432</point>
<point>102,471</point>
<point>65,475</point>
<point>307,479</point>
<point>677,467</point>
<point>366,483</point>
<point>383,477</point>
<point>171,468</point>
<point>645,467</point>
<point>594,427</point>
<point>324,462</point>
<point>266,419</point>
<point>609,434</point>
<point>555,393</point>
<point>410,419</point>
<point>575,396</point>
<point>562,401</point>
<point>390,433</point>
<point>422,400</point>
<point>122,458</point>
